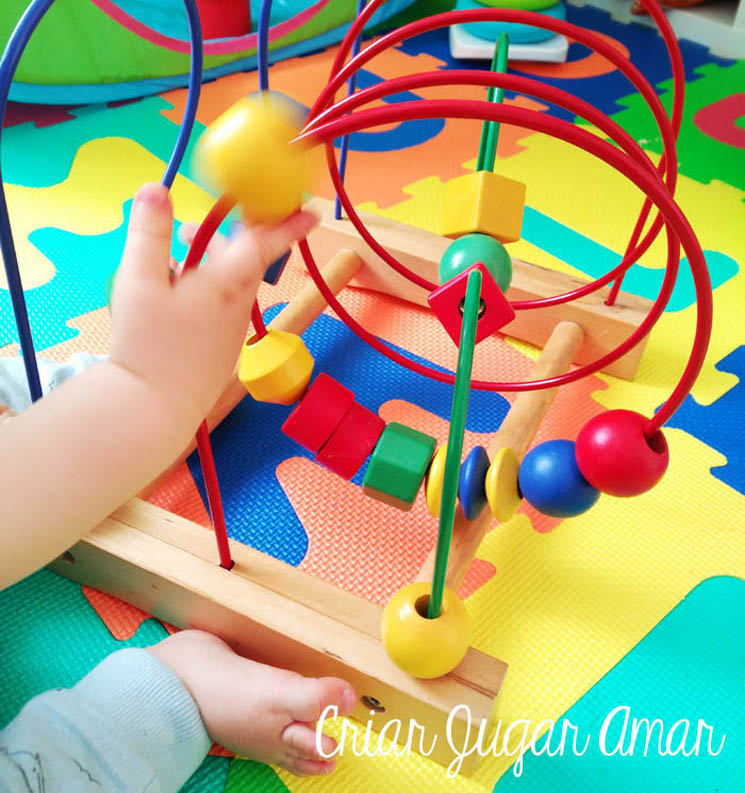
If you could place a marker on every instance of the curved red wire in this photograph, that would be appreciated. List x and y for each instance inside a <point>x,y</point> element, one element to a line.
<point>198,246</point>
<point>326,122</point>
<point>470,77</point>
<point>648,182</point>
<point>676,118</point>
<point>585,37</point>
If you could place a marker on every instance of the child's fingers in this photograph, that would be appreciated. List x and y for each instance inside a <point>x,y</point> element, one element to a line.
<point>253,250</point>
<point>217,245</point>
<point>147,252</point>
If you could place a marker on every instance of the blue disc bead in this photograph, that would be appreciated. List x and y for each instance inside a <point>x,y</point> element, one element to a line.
<point>551,481</point>
<point>471,482</point>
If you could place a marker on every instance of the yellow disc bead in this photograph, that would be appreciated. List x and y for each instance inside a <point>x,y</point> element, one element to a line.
<point>435,480</point>
<point>248,153</point>
<point>422,647</point>
<point>276,368</point>
<point>501,485</point>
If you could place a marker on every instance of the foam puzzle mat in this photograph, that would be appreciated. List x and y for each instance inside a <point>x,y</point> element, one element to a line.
<point>636,603</point>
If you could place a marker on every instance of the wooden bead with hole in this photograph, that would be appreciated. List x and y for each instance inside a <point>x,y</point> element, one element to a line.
<point>319,413</point>
<point>617,458</point>
<point>501,485</point>
<point>351,442</point>
<point>471,488</point>
<point>434,481</point>
<point>446,302</point>
<point>423,647</point>
<point>398,465</point>
<point>248,152</point>
<point>550,480</point>
<point>484,202</point>
<point>275,368</point>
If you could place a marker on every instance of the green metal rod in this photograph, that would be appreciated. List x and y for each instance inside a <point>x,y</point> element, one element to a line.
<point>461,393</point>
<point>490,129</point>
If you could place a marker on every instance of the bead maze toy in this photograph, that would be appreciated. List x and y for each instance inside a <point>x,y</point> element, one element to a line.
<point>412,659</point>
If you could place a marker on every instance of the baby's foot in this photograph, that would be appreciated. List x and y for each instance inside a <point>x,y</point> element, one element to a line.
<point>256,710</point>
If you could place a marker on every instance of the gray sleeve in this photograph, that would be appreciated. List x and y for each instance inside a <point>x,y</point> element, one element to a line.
<point>14,390</point>
<point>129,726</point>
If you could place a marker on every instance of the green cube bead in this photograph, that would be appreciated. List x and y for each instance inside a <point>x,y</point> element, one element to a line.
<point>398,465</point>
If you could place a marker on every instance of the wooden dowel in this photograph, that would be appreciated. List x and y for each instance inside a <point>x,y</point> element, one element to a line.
<point>299,314</point>
<point>516,432</point>
<point>296,317</point>
<point>527,411</point>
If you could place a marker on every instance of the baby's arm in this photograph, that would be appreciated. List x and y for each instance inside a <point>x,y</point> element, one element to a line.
<point>74,456</point>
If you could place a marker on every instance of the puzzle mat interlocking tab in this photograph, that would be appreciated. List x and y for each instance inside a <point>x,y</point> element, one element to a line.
<point>567,604</point>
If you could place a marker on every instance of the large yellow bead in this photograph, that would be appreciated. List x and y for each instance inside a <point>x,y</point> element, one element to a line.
<point>276,368</point>
<point>501,485</point>
<point>248,153</point>
<point>422,647</point>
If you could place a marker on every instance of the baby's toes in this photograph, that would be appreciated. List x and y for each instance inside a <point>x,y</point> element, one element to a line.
<point>310,698</point>
<point>302,740</point>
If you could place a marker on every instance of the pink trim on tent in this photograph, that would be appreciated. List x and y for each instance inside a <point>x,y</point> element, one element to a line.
<point>220,47</point>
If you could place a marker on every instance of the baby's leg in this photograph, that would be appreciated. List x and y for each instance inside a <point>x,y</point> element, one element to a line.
<point>258,711</point>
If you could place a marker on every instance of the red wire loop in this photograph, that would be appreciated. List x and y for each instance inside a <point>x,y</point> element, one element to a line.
<point>204,234</point>
<point>677,228</point>
<point>666,167</point>
<point>327,121</point>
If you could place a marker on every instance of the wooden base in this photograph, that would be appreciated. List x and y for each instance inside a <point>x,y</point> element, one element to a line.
<point>275,613</point>
<point>604,326</point>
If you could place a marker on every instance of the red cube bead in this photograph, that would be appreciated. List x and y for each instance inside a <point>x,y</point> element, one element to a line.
<point>446,302</point>
<point>616,457</point>
<point>319,413</point>
<point>351,442</point>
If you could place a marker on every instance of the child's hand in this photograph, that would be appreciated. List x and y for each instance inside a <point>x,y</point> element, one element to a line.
<point>258,711</point>
<point>185,338</point>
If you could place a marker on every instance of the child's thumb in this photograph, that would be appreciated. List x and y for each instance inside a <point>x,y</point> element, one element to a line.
<point>147,253</point>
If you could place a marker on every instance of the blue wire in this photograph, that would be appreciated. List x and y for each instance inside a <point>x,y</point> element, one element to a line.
<point>192,100</point>
<point>262,45</point>
<point>8,65</point>
<point>351,87</point>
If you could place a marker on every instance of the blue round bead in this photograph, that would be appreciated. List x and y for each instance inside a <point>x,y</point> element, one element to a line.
<point>551,481</point>
<point>471,482</point>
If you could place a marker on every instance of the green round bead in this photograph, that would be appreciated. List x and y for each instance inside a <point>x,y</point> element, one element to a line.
<point>472,248</point>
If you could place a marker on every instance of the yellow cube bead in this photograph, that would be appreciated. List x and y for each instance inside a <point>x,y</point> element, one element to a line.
<point>422,647</point>
<point>276,368</point>
<point>484,202</point>
<point>248,153</point>
<point>501,485</point>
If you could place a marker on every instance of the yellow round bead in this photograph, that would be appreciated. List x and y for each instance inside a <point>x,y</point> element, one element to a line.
<point>248,153</point>
<point>276,368</point>
<point>422,647</point>
<point>435,480</point>
<point>501,485</point>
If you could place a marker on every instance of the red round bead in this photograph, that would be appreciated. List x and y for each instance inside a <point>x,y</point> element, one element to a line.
<point>617,458</point>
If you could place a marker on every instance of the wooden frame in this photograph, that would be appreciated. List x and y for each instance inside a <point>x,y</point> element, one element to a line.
<point>278,614</point>
<point>275,613</point>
